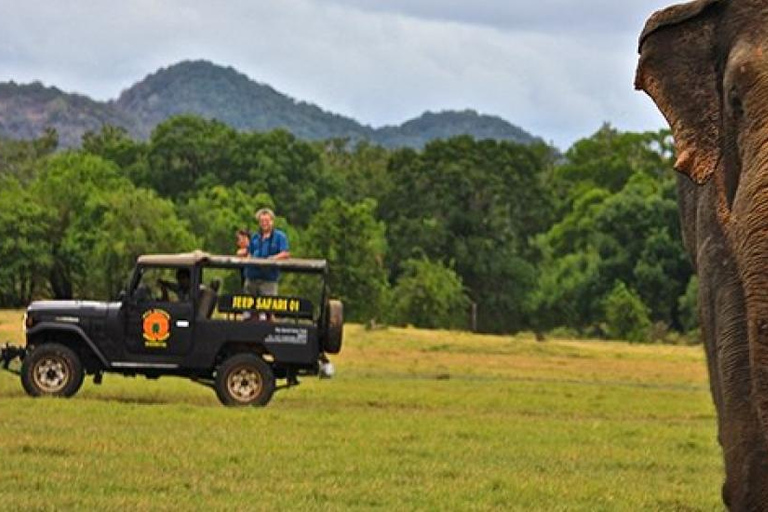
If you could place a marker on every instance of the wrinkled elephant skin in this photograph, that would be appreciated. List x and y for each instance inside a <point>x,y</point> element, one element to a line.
<point>705,65</point>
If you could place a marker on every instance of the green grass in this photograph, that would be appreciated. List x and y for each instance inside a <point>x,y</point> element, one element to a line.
<point>414,420</point>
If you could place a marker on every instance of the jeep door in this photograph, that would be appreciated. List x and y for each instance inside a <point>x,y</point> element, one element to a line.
<point>160,312</point>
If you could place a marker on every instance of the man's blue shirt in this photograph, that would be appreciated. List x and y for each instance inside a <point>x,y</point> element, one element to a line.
<point>276,243</point>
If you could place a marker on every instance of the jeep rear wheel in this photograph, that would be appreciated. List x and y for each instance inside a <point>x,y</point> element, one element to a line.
<point>334,328</point>
<point>52,370</point>
<point>245,379</point>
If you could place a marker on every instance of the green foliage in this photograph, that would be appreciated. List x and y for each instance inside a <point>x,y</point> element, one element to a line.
<point>129,223</point>
<point>430,295</point>
<point>535,239</point>
<point>619,214</point>
<point>357,173</point>
<point>353,242</point>
<point>18,157</point>
<point>186,152</point>
<point>216,213</point>
<point>99,223</point>
<point>609,158</point>
<point>288,169</point>
<point>476,203</point>
<point>68,182</point>
<point>115,144</point>
<point>626,316</point>
<point>25,249</point>
<point>566,292</point>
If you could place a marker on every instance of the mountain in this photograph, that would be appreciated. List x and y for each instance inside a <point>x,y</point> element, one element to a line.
<point>26,110</point>
<point>223,93</point>
<point>443,125</point>
<point>213,91</point>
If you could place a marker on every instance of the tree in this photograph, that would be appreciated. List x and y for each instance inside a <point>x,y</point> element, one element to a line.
<point>215,213</point>
<point>114,144</point>
<point>357,173</point>
<point>25,249</point>
<point>353,242</point>
<point>609,158</point>
<point>625,314</point>
<point>476,203</point>
<point>18,157</point>
<point>569,292</point>
<point>620,209</point>
<point>65,184</point>
<point>99,223</point>
<point>186,152</point>
<point>130,222</point>
<point>290,170</point>
<point>429,295</point>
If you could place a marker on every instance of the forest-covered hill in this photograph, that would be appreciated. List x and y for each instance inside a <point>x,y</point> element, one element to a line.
<point>27,110</point>
<point>222,93</point>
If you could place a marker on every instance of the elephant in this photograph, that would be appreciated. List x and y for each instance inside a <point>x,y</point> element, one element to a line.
<point>705,65</point>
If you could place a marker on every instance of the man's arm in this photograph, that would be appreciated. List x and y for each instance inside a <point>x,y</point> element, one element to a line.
<point>282,247</point>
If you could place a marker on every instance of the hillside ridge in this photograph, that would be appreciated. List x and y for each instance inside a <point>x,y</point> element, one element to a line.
<point>217,92</point>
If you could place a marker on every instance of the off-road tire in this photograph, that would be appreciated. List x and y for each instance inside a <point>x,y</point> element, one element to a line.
<point>334,327</point>
<point>52,370</point>
<point>244,379</point>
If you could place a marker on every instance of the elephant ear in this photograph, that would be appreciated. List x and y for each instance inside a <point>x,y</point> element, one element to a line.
<point>677,69</point>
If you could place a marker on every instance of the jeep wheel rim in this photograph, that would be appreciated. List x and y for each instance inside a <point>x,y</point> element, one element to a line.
<point>51,374</point>
<point>244,384</point>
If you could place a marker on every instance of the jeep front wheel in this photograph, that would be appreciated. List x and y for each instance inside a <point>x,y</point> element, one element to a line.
<point>52,370</point>
<point>245,379</point>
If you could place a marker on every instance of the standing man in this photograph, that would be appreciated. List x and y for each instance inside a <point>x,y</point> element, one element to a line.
<point>268,242</point>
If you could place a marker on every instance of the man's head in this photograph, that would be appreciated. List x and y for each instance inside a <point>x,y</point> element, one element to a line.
<point>184,278</point>
<point>266,218</point>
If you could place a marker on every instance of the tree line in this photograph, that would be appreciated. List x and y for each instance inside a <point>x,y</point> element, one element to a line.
<point>586,241</point>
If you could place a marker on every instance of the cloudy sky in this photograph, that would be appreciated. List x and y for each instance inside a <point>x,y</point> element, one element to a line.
<point>557,68</point>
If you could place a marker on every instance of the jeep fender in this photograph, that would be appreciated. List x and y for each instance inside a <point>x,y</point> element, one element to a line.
<point>51,327</point>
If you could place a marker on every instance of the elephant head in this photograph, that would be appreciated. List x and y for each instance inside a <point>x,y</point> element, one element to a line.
<point>705,65</point>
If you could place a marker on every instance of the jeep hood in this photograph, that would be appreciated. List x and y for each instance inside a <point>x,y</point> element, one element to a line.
<point>78,308</point>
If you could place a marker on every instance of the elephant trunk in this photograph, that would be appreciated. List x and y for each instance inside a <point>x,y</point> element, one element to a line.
<point>752,250</point>
<point>747,228</point>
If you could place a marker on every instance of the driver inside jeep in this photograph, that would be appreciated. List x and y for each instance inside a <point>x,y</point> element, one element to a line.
<point>180,288</point>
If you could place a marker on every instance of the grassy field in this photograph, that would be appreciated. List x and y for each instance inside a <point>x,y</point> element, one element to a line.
<point>414,420</point>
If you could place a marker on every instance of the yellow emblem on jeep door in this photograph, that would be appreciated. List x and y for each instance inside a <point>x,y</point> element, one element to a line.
<point>157,327</point>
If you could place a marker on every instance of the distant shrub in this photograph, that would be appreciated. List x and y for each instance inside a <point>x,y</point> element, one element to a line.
<point>626,316</point>
<point>429,295</point>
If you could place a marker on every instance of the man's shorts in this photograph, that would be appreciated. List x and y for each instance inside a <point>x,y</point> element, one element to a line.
<point>260,287</point>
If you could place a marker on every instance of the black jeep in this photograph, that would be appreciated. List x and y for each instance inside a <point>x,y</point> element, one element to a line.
<point>185,315</point>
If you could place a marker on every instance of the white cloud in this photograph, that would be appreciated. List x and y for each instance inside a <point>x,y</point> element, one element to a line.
<point>556,68</point>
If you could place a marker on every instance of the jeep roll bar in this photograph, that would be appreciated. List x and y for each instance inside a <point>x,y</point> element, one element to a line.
<point>203,259</point>
<point>301,265</point>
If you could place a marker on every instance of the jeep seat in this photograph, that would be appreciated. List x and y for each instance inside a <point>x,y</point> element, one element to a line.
<point>206,301</point>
